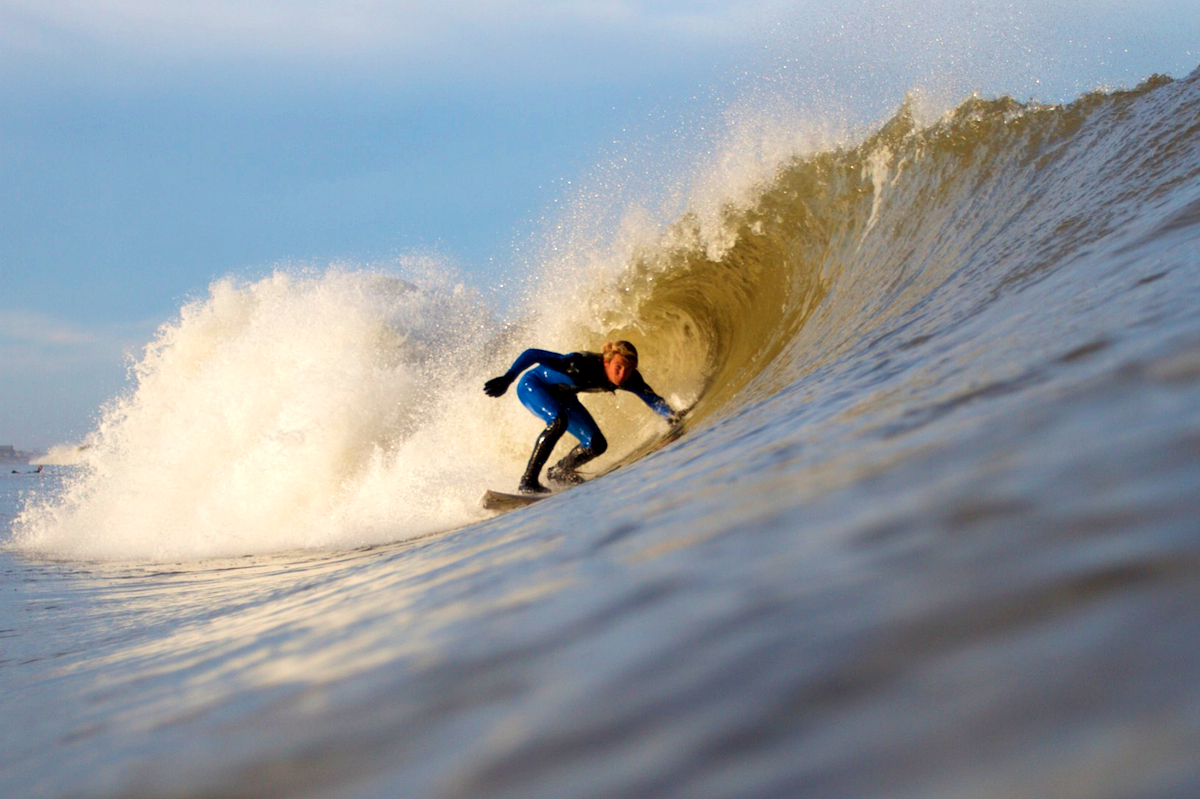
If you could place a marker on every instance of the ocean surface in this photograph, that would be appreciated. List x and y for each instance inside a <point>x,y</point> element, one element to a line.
<point>932,528</point>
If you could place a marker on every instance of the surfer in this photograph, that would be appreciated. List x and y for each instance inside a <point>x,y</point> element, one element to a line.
<point>549,392</point>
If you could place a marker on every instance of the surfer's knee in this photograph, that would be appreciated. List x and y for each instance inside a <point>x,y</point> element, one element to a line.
<point>558,425</point>
<point>598,443</point>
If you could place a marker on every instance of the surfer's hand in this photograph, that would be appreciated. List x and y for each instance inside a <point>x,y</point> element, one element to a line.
<point>497,385</point>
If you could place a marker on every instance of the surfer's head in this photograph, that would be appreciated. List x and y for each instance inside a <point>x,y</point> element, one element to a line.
<point>620,361</point>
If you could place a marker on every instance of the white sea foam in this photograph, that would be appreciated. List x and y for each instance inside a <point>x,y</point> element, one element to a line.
<point>305,409</point>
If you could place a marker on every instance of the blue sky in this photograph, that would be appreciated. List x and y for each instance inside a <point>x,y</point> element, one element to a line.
<point>148,147</point>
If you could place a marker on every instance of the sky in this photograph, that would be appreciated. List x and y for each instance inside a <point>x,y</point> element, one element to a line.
<point>150,147</point>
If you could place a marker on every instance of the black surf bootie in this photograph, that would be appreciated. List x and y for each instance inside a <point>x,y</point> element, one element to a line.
<point>541,454</point>
<point>565,471</point>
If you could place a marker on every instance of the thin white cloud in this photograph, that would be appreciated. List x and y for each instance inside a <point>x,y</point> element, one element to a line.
<point>38,342</point>
<point>33,328</point>
<point>387,29</point>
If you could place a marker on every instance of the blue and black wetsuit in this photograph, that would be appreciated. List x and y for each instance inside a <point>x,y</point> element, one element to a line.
<point>549,390</point>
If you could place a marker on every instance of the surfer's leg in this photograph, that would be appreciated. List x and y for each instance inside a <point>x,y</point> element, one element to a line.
<point>541,402</point>
<point>591,444</point>
<point>541,453</point>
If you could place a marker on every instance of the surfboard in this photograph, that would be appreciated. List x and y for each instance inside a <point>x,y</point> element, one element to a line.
<point>498,500</point>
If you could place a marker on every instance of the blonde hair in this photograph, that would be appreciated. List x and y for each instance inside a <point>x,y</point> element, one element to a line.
<point>622,348</point>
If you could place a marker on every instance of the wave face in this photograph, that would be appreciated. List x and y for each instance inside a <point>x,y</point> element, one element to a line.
<point>929,529</point>
<point>952,219</point>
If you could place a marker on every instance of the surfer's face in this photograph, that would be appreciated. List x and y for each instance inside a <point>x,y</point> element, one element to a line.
<point>618,370</point>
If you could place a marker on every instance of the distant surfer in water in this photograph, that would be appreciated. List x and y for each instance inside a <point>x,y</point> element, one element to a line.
<point>549,392</point>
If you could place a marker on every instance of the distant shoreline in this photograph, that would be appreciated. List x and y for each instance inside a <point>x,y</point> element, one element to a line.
<point>10,454</point>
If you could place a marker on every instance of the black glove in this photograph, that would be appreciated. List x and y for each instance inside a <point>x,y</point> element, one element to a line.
<point>497,385</point>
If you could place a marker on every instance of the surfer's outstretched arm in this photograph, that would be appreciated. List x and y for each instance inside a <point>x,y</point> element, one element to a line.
<point>637,386</point>
<point>656,403</point>
<point>531,357</point>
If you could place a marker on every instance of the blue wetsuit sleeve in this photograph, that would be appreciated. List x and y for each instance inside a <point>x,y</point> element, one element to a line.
<point>530,358</point>
<point>656,403</point>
